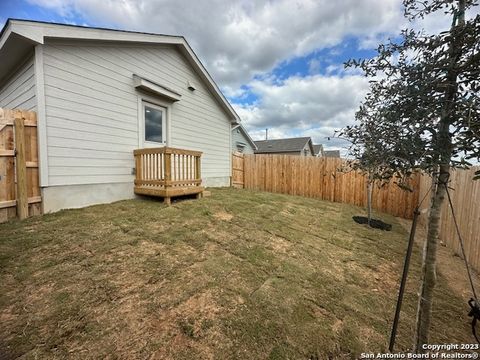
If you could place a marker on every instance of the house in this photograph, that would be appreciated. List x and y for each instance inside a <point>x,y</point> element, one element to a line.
<point>332,153</point>
<point>318,150</point>
<point>100,94</point>
<point>241,141</point>
<point>300,146</point>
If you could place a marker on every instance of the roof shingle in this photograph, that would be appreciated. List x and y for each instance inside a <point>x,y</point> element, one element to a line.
<point>281,145</point>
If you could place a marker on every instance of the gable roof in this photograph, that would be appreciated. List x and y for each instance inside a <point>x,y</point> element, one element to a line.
<point>317,149</point>
<point>18,37</point>
<point>283,145</point>
<point>246,135</point>
<point>332,153</point>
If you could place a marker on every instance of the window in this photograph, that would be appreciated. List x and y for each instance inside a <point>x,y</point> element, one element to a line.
<point>154,117</point>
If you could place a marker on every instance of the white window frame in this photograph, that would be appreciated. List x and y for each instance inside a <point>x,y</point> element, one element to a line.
<point>156,104</point>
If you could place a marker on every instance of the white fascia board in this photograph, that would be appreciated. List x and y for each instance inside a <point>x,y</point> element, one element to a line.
<point>255,147</point>
<point>216,90</point>
<point>5,35</point>
<point>27,31</point>
<point>37,32</point>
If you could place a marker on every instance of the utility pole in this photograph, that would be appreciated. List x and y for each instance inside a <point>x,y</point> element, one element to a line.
<point>266,134</point>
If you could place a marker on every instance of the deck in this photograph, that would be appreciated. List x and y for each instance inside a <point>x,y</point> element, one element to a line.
<point>167,172</point>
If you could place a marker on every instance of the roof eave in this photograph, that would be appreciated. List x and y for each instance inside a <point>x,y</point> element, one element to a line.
<point>220,97</point>
<point>247,135</point>
<point>37,32</point>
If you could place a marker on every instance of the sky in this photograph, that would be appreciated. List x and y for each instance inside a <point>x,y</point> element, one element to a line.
<point>279,62</point>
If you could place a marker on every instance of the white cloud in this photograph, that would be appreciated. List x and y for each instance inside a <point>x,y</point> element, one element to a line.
<point>313,106</point>
<point>238,39</point>
<point>314,66</point>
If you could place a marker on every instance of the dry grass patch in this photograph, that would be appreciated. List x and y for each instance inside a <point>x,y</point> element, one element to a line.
<point>240,274</point>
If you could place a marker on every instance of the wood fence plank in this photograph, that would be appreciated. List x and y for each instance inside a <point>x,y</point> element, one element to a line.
<point>20,167</point>
<point>323,178</point>
<point>8,159</point>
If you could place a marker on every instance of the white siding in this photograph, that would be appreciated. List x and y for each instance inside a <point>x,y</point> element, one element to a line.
<point>237,136</point>
<point>92,111</point>
<point>18,91</point>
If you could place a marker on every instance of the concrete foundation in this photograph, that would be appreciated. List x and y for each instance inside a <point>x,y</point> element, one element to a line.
<point>77,196</point>
<point>56,198</point>
<point>216,181</point>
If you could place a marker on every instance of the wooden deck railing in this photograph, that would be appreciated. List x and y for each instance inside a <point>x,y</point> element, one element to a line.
<point>167,171</point>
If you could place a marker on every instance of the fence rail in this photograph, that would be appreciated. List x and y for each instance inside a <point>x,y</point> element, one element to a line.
<point>324,178</point>
<point>465,193</point>
<point>19,185</point>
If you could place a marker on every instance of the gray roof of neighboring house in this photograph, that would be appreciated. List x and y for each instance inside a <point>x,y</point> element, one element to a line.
<point>332,153</point>
<point>282,145</point>
<point>317,149</point>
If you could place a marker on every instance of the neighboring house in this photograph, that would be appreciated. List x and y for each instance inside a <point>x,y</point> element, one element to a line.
<point>332,153</point>
<point>99,94</point>
<point>241,141</point>
<point>318,150</point>
<point>301,146</point>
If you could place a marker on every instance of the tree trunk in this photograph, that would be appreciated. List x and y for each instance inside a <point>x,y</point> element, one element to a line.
<point>369,200</point>
<point>444,148</point>
<point>429,264</point>
<point>434,189</point>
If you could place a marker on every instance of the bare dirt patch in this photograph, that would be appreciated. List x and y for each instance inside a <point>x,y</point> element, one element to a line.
<point>222,215</point>
<point>279,245</point>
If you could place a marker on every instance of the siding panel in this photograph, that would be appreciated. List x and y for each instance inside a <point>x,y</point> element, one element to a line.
<point>92,110</point>
<point>18,92</point>
<point>237,136</point>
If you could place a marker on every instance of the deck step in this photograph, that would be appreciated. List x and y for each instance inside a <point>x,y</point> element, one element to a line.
<point>167,192</point>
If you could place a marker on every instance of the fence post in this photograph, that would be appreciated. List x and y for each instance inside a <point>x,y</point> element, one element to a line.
<point>20,167</point>
<point>168,173</point>
<point>197,168</point>
<point>168,168</point>
<point>138,167</point>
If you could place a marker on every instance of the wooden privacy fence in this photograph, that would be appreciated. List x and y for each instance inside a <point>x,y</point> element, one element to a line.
<point>237,170</point>
<point>321,178</point>
<point>465,193</point>
<point>19,186</point>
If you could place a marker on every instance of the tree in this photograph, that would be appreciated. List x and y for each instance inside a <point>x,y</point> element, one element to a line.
<point>369,150</point>
<point>424,107</point>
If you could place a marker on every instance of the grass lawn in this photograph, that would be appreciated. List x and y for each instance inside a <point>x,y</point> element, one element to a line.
<point>240,274</point>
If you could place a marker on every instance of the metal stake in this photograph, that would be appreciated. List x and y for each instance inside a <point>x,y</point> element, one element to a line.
<point>404,279</point>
